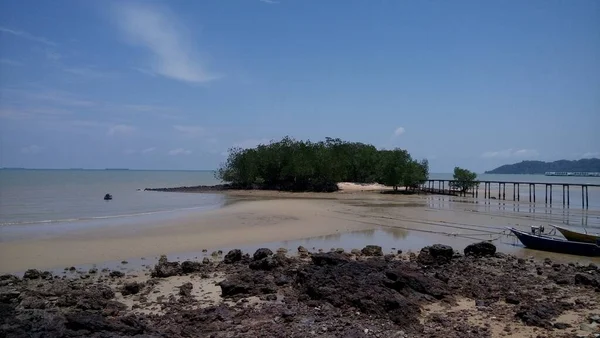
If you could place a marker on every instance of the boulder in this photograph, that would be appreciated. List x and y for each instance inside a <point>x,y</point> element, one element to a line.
<point>116,274</point>
<point>164,268</point>
<point>185,290</point>
<point>131,288</point>
<point>233,256</point>
<point>372,250</point>
<point>32,274</point>
<point>480,249</point>
<point>435,254</point>
<point>189,267</point>
<point>262,253</point>
<point>332,258</point>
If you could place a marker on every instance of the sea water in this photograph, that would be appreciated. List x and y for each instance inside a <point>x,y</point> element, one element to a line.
<point>38,197</point>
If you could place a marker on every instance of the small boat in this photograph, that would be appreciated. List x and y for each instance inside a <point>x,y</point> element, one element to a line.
<point>575,236</point>
<point>107,197</point>
<point>547,243</point>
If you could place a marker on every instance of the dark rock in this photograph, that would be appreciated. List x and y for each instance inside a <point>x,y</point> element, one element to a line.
<point>372,250</point>
<point>72,269</point>
<point>561,326</point>
<point>269,263</point>
<point>164,268</point>
<point>416,281</point>
<point>586,279</point>
<point>185,290</point>
<point>233,256</point>
<point>540,313</point>
<point>116,274</point>
<point>32,274</point>
<point>247,284</point>
<point>205,260</point>
<point>190,266</point>
<point>262,253</point>
<point>399,252</point>
<point>93,271</point>
<point>330,258</point>
<point>131,288</point>
<point>480,249</point>
<point>435,254</point>
<point>271,297</point>
<point>302,251</point>
<point>512,299</point>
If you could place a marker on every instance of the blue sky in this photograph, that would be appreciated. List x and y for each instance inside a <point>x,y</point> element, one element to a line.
<point>174,84</point>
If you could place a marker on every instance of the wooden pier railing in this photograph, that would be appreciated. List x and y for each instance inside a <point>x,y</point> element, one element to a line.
<point>446,187</point>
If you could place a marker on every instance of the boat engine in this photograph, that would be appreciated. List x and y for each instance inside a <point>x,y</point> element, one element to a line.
<point>537,229</point>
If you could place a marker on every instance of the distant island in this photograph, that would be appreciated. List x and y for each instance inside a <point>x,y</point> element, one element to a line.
<point>540,167</point>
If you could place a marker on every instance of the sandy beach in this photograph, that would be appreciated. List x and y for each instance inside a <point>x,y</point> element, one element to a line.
<point>252,218</point>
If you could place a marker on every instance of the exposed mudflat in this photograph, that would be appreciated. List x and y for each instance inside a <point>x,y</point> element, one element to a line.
<point>437,293</point>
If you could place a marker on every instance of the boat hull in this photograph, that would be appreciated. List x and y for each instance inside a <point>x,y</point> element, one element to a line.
<point>577,236</point>
<point>544,243</point>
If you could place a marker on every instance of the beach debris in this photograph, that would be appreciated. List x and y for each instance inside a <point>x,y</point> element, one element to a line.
<point>233,256</point>
<point>480,249</point>
<point>372,250</point>
<point>262,253</point>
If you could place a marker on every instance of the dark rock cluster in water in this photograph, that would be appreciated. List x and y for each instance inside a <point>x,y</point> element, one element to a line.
<point>334,294</point>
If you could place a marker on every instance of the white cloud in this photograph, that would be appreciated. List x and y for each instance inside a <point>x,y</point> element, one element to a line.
<point>121,129</point>
<point>251,143</point>
<point>156,29</point>
<point>148,150</point>
<point>27,36</point>
<point>399,131</point>
<point>90,72</point>
<point>590,154</point>
<point>179,151</point>
<point>507,153</point>
<point>189,130</point>
<point>32,149</point>
<point>10,62</point>
<point>270,2</point>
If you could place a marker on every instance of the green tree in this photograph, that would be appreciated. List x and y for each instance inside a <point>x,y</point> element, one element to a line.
<point>416,173</point>
<point>464,179</point>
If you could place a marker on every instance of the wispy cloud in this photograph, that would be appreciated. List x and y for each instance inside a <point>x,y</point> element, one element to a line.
<point>157,30</point>
<point>148,150</point>
<point>399,131</point>
<point>121,129</point>
<point>508,153</point>
<point>53,96</point>
<point>90,72</point>
<point>270,2</point>
<point>10,62</point>
<point>179,151</point>
<point>28,36</point>
<point>190,130</point>
<point>31,149</point>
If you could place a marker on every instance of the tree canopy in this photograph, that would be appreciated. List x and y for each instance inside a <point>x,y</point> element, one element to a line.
<point>464,179</point>
<point>294,165</point>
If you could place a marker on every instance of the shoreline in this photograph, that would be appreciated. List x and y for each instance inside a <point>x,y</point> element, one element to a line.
<point>436,292</point>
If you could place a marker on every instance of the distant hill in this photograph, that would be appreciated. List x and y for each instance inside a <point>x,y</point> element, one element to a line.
<point>539,167</point>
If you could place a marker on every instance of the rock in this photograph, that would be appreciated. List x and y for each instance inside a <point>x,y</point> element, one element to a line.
<point>339,250</point>
<point>131,288</point>
<point>435,254</point>
<point>164,268</point>
<point>32,274</point>
<point>262,253</point>
<point>561,326</point>
<point>512,299</point>
<point>72,269</point>
<point>521,261</point>
<point>185,290</point>
<point>269,263</point>
<point>116,274</point>
<point>288,315</point>
<point>205,260</point>
<point>330,258</point>
<point>214,254</point>
<point>124,262</point>
<point>190,266</point>
<point>372,250</point>
<point>282,251</point>
<point>93,271</point>
<point>592,266</point>
<point>233,256</point>
<point>271,297</point>
<point>595,318</point>
<point>586,279</point>
<point>480,249</point>
<point>587,327</point>
<point>399,252</point>
<point>402,279</point>
<point>356,252</point>
<point>302,251</point>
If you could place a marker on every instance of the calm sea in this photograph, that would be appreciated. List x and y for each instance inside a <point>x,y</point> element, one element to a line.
<point>63,196</point>
<point>58,196</point>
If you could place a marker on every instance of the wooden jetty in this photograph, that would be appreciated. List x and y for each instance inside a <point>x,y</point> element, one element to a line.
<point>447,187</point>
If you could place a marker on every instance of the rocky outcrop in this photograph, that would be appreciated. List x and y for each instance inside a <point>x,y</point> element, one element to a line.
<point>372,250</point>
<point>480,249</point>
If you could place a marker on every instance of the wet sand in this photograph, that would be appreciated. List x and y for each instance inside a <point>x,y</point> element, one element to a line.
<point>347,219</point>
